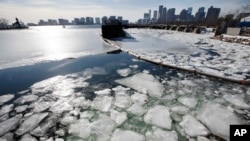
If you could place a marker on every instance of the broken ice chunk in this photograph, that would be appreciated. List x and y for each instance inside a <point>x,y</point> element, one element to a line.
<point>193,127</point>
<point>67,120</point>
<point>127,135</point>
<point>80,128</point>
<point>200,138</point>
<point>103,92</point>
<point>144,83</point>
<point>137,109</point>
<point>218,119</point>
<point>118,117</point>
<point>27,99</point>
<point>102,103</point>
<point>188,101</point>
<point>124,72</point>
<point>61,106</point>
<point>138,98</point>
<point>122,100</point>
<point>9,124</point>
<point>20,109</point>
<point>182,110</point>
<point>158,134</point>
<point>159,116</point>
<point>80,102</point>
<point>6,109</point>
<point>28,137</point>
<point>41,106</point>
<point>5,98</point>
<point>30,123</point>
<point>236,100</point>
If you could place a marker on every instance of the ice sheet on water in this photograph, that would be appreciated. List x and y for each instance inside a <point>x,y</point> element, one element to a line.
<point>218,119</point>
<point>94,71</point>
<point>21,108</point>
<point>144,83</point>
<point>6,109</point>
<point>61,106</point>
<point>30,123</point>
<point>124,72</point>
<point>157,134</point>
<point>118,117</point>
<point>4,117</point>
<point>5,98</point>
<point>103,92</point>
<point>122,100</point>
<point>41,106</point>
<point>9,124</point>
<point>80,102</point>
<point>188,101</point>
<point>236,100</point>
<point>182,110</point>
<point>193,127</point>
<point>159,116</point>
<point>102,103</point>
<point>137,109</point>
<point>26,99</point>
<point>138,98</point>
<point>126,135</point>
<point>87,114</point>
<point>200,138</point>
<point>28,137</point>
<point>67,119</point>
<point>80,128</point>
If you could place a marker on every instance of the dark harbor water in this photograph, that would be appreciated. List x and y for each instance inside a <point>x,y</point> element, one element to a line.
<point>75,90</point>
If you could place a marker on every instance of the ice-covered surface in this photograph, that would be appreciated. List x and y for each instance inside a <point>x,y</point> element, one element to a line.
<point>5,98</point>
<point>155,103</point>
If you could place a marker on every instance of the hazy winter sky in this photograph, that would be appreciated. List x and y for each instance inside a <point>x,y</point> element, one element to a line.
<point>33,10</point>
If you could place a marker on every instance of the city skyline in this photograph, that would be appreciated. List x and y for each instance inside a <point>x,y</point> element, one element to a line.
<point>34,10</point>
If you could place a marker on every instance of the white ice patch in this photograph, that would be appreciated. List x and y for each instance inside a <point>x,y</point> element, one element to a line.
<point>5,98</point>
<point>218,119</point>
<point>6,109</point>
<point>102,103</point>
<point>118,117</point>
<point>103,92</point>
<point>182,110</point>
<point>127,135</point>
<point>9,124</point>
<point>159,116</point>
<point>124,72</point>
<point>30,123</point>
<point>144,83</point>
<point>158,134</point>
<point>67,120</point>
<point>80,102</point>
<point>28,137</point>
<point>122,100</point>
<point>20,109</point>
<point>80,128</point>
<point>139,98</point>
<point>188,101</point>
<point>41,106</point>
<point>27,98</point>
<point>236,100</point>
<point>137,109</point>
<point>193,127</point>
<point>61,106</point>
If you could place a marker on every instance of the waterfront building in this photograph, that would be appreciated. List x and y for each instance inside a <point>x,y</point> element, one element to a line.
<point>200,15</point>
<point>183,15</point>
<point>212,15</point>
<point>164,15</point>
<point>42,22</point>
<point>97,20</point>
<point>149,12</point>
<point>52,22</point>
<point>160,12</point>
<point>112,18</point>
<point>119,18</point>
<point>104,19</point>
<point>155,15</point>
<point>170,15</point>
<point>89,20</point>
<point>63,21</point>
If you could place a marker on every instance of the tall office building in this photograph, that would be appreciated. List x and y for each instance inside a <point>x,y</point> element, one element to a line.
<point>160,12</point>
<point>183,15</point>
<point>119,18</point>
<point>171,15</point>
<point>155,15</point>
<point>212,15</point>
<point>104,20</point>
<point>190,9</point>
<point>149,12</point>
<point>97,20</point>
<point>200,15</point>
<point>164,15</point>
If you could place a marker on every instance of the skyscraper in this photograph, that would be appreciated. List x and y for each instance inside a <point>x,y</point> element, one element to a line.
<point>149,12</point>
<point>171,15</point>
<point>160,12</point>
<point>212,15</point>
<point>200,15</point>
<point>164,15</point>
<point>155,15</point>
<point>183,15</point>
<point>97,20</point>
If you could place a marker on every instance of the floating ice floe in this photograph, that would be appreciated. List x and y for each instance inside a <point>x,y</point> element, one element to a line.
<point>30,123</point>
<point>26,99</point>
<point>67,119</point>
<point>144,83</point>
<point>5,98</point>
<point>80,102</point>
<point>41,106</point>
<point>102,103</point>
<point>28,137</point>
<point>124,72</point>
<point>158,134</point>
<point>80,128</point>
<point>218,119</point>
<point>61,106</point>
<point>159,116</point>
<point>138,98</point>
<point>126,135</point>
<point>6,109</point>
<point>9,124</point>
<point>180,109</point>
<point>103,92</point>
<point>20,109</point>
<point>193,127</point>
<point>188,101</point>
<point>118,117</point>
<point>137,109</point>
<point>236,100</point>
<point>200,138</point>
<point>122,100</point>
